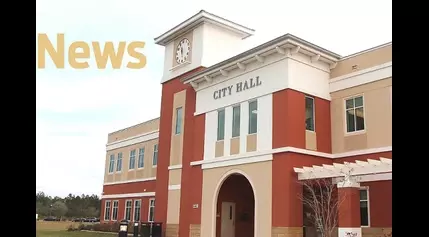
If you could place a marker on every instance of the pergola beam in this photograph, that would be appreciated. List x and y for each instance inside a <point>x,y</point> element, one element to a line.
<point>358,168</point>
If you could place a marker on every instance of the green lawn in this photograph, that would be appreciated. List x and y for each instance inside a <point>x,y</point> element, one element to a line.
<point>64,233</point>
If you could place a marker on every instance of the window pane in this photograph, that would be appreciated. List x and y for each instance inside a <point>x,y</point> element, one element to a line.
<point>178,120</point>
<point>220,124</point>
<point>364,214</point>
<point>359,101</point>
<point>309,113</point>
<point>363,195</point>
<point>360,121</point>
<point>119,164</point>
<point>155,155</point>
<point>236,121</point>
<point>253,117</point>
<point>141,158</point>
<point>350,116</point>
<point>349,104</point>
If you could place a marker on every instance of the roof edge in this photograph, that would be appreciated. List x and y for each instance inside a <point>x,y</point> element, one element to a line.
<point>259,48</point>
<point>202,16</point>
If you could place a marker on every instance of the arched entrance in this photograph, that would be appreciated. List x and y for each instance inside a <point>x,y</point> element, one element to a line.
<point>235,209</point>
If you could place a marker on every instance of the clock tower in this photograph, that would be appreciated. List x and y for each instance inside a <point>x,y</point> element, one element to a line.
<point>201,41</point>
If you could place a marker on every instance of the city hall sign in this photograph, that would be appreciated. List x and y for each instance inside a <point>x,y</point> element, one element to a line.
<point>237,88</point>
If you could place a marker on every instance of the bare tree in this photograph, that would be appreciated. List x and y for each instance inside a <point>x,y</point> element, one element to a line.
<point>321,203</point>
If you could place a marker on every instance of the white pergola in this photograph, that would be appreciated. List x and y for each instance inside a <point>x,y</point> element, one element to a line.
<point>361,171</point>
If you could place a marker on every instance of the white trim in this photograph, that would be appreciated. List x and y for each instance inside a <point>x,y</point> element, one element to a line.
<point>174,187</point>
<point>367,200</point>
<point>361,77</point>
<point>216,195</point>
<point>132,140</point>
<point>248,157</point>
<point>174,167</point>
<point>131,181</point>
<point>128,195</point>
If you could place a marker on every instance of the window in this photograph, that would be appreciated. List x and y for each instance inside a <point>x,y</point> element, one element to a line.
<point>178,120</point>
<point>128,205</point>
<point>141,158</point>
<point>151,214</point>
<point>137,208</point>
<point>220,124</point>
<point>309,113</point>
<point>355,114</point>
<point>132,160</point>
<point>236,121</point>
<point>364,207</point>
<point>107,210</point>
<point>112,163</point>
<point>253,117</point>
<point>155,155</point>
<point>119,163</point>
<point>115,210</point>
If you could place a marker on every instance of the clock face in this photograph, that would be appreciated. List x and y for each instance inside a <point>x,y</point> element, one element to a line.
<point>183,50</point>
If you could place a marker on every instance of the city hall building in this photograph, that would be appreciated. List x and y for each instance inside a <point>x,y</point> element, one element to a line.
<point>239,131</point>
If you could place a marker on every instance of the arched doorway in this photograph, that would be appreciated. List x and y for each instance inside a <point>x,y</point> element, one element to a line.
<point>235,209</point>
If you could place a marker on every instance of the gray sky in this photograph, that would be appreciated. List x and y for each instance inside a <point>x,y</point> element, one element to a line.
<point>77,108</point>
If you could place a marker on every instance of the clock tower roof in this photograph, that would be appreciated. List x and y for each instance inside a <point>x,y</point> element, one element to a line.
<point>197,19</point>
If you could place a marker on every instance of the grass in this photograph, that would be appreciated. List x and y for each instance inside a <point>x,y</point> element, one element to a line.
<point>59,229</point>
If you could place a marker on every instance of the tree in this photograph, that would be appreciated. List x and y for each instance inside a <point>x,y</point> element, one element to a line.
<point>321,204</point>
<point>59,209</point>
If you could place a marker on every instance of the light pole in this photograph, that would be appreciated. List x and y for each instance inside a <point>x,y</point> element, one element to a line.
<point>50,210</point>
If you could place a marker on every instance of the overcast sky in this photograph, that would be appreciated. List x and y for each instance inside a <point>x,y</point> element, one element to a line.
<point>77,108</point>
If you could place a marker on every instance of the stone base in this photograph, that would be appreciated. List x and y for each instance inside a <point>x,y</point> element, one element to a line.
<point>377,232</point>
<point>172,230</point>
<point>194,230</point>
<point>349,232</point>
<point>287,232</point>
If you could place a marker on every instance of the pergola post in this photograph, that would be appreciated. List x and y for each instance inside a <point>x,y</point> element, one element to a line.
<point>349,209</point>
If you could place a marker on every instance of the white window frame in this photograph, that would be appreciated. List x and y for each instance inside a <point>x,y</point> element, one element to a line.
<point>345,114</point>
<point>153,155</point>
<point>117,209</point>
<point>249,112</point>
<point>217,125</point>
<point>131,209</point>
<point>138,160</point>
<point>129,162</point>
<point>117,163</point>
<point>239,120</point>
<point>148,210</point>
<point>105,210</point>
<point>366,188</point>
<point>111,165</point>
<point>134,209</point>
<point>314,113</point>
<point>178,128</point>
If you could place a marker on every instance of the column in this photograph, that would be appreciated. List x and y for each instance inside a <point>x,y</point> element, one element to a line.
<point>349,209</point>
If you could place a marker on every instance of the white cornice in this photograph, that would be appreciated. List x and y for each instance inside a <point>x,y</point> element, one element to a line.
<point>361,77</point>
<point>197,19</point>
<point>132,140</point>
